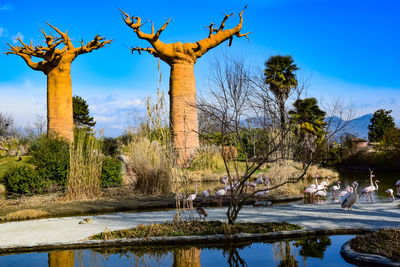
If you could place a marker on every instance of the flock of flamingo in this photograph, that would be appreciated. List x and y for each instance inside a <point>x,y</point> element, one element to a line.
<point>347,197</point>
<point>314,193</point>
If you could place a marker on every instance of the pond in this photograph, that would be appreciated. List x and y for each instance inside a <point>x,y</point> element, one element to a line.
<point>313,251</point>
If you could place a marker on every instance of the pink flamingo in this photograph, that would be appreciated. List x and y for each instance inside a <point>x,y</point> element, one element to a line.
<point>345,191</point>
<point>335,188</point>
<point>369,190</point>
<point>220,193</point>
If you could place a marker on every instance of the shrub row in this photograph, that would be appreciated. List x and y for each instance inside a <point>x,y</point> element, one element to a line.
<point>50,156</point>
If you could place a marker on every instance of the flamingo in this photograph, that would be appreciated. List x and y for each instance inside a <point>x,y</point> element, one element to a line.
<point>335,188</point>
<point>350,198</point>
<point>253,185</point>
<point>220,193</point>
<point>224,180</point>
<point>345,191</point>
<point>321,193</point>
<point>390,192</point>
<point>261,193</point>
<point>369,189</point>
<point>191,197</point>
<point>260,179</point>
<point>310,190</point>
<point>206,193</point>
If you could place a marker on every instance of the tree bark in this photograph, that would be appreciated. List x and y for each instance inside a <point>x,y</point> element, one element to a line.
<point>183,110</point>
<point>59,102</point>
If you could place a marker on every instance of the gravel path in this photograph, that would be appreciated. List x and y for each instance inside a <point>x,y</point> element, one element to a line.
<point>68,229</point>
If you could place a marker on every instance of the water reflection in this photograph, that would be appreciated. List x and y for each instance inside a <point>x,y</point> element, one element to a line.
<point>283,251</point>
<point>312,251</point>
<point>61,259</point>
<point>187,257</point>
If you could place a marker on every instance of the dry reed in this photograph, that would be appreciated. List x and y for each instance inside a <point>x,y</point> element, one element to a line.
<point>86,161</point>
<point>25,215</point>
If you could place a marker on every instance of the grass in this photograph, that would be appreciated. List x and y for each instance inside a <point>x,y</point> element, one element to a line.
<point>25,215</point>
<point>195,228</point>
<point>382,242</point>
<point>10,162</point>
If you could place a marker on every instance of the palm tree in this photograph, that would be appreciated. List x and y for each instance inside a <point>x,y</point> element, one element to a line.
<point>279,75</point>
<point>310,122</point>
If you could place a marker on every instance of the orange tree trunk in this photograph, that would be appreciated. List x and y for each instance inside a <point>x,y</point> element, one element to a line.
<point>183,111</point>
<point>59,102</point>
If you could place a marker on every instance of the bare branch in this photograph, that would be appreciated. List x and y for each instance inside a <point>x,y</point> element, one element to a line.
<point>97,42</point>
<point>64,36</point>
<point>151,51</point>
<point>135,24</point>
<point>222,26</point>
<point>216,37</point>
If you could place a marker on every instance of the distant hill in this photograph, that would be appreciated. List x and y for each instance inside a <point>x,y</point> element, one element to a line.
<point>357,127</point>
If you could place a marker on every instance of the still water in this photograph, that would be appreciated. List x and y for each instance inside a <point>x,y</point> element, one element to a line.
<point>316,251</point>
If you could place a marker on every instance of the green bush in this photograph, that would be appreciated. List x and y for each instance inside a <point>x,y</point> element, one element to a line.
<point>51,157</point>
<point>111,172</point>
<point>110,146</point>
<point>24,180</point>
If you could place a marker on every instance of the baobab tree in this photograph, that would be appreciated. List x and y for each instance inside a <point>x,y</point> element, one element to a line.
<point>56,65</point>
<point>182,89</point>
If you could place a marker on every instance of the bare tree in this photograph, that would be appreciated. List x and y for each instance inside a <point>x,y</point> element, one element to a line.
<point>238,96</point>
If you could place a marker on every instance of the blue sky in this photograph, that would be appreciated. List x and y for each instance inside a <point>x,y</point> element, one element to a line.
<point>346,49</point>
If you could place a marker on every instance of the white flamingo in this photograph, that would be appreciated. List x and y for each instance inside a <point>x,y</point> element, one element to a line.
<point>260,179</point>
<point>335,188</point>
<point>321,193</point>
<point>206,193</point>
<point>191,198</point>
<point>350,198</point>
<point>224,180</point>
<point>220,193</point>
<point>390,192</point>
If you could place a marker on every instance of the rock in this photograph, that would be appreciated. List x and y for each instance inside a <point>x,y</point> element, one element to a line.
<point>82,222</point>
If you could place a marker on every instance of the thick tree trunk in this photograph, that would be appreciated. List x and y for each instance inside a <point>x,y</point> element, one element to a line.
<point>59,102</point>
<point>183,111</point>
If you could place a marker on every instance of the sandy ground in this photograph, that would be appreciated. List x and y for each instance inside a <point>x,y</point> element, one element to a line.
<point>68,229</point>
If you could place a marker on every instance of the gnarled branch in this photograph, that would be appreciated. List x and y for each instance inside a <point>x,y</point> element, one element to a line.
<point>219,36</point>
<point>64,36</point>
<point>97,42</point>
<point>135,24</point>
<point>151,51</point>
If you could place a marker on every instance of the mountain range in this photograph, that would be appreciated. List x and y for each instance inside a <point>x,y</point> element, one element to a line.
<point>357,127</point>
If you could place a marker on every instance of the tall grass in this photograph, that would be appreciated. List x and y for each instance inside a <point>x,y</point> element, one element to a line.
<point>207,157</point>
<point>86,161</point>
<point>151,163</point>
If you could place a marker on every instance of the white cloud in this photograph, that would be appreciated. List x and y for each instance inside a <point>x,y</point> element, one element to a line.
<point>6,7</point>
<point>14,38</point>
<point>2,32</point>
